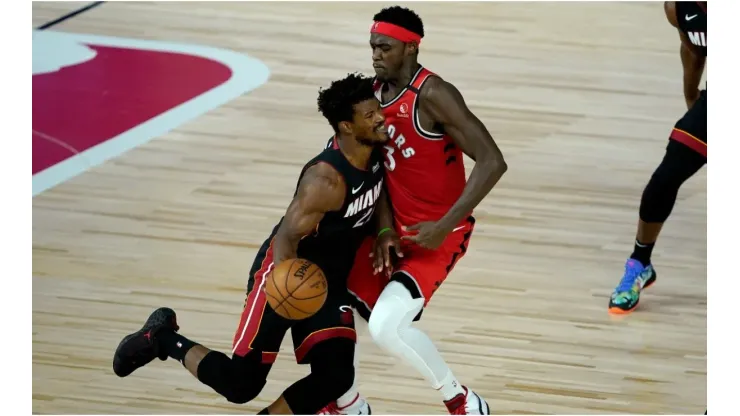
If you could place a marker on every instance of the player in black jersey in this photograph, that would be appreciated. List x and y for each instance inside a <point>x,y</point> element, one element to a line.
<point>328,218</point>
<point>686,153</point>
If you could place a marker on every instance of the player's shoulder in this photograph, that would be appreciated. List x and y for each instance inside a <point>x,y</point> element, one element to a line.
<point>322,171</point>
<point>438,91</point>
<point>670,12</point>
<point>322,181</point>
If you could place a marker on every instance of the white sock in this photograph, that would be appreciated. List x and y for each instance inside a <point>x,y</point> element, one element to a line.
<point>390,326</point>
<point>351,395</point>
<point>450,387</point>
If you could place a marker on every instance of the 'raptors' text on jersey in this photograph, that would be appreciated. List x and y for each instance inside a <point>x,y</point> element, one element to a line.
<point>692,21</point>
<point>425,174</point>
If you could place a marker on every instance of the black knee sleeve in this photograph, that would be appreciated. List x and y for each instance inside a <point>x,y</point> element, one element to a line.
<point>239,380</point>
<point>659,196</point>
<point>332,375</point>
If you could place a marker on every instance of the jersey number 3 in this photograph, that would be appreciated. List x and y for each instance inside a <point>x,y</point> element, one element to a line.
<point>390,164</point>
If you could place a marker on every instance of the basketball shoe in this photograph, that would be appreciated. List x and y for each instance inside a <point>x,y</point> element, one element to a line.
<point>140,348</point>
<point>469,403</point>
<point>626,296</point>
<point>359,406</point>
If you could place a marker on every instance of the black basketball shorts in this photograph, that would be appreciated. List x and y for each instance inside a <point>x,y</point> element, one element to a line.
<point>261,329</point>
<point>691,130</point>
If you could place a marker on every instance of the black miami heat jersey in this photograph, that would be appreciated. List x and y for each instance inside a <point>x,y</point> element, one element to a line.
<point>339,234</point>
<point>692,21</point>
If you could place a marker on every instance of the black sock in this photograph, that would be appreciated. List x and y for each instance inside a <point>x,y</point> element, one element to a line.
<point>263,412</point>
<point>174,344</point>
<point>642,252</point>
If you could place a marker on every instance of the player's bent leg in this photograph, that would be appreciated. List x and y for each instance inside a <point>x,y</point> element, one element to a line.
<point>351,402</point>
<point>239,379</point>
<point>390,327</point>
<point>332,374</point>
<point>364,287</point>
<point>658,199</point>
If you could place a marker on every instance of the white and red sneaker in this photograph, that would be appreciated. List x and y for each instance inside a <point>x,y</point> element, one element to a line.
<point>358,406</point>
<point>468,404</point>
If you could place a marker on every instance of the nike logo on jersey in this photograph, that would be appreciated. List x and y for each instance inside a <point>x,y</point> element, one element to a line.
<point>345,308</point>
<point>364,200</point>
<point>354,191</point>
<point>690,17</point>
<point>376,166</point>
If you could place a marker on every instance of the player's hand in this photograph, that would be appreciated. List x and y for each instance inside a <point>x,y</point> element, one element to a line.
<point>429,235</point>
<point>381,254</point>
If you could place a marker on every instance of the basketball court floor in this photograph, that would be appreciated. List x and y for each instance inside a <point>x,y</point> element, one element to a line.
<point>167,138</point>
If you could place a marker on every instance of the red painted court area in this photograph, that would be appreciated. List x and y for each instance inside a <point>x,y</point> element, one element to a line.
<point>80,106</point>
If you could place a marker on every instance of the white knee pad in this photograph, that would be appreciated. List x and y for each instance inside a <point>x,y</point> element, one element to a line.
<point>393,312</point>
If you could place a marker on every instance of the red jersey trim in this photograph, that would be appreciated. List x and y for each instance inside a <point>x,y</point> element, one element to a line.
<point>400,94</point>
<point>415,111</point>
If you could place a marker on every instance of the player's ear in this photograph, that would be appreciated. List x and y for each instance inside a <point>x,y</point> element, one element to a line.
<point>345,127</point>
<point>412,48</point>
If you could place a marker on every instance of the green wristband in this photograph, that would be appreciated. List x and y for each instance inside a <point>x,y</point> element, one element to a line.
<point>383,230</point>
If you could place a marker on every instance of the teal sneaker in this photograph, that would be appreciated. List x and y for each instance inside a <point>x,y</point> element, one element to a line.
<point>626,296</point>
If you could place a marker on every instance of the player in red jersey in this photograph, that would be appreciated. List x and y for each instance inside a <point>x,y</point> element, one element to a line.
<point>430,127</point>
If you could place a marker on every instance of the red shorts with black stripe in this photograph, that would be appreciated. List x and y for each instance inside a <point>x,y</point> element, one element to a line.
<point>420,270</point>
<point>261,330</point>
<point>691,129</point>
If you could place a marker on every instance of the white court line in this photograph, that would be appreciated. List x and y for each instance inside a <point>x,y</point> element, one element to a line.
<point>58,142</point>
<point>247,74</point>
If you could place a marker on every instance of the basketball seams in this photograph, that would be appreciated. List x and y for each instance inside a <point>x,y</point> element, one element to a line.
<point>279,304</point>
<point>306,280</point>
<point>295,289</point>
<point>282,301</point>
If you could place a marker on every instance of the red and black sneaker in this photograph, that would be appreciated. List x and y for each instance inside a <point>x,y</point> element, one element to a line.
<point>141,347</point>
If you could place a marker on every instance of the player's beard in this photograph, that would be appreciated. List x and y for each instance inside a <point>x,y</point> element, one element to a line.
<point>367,142</point>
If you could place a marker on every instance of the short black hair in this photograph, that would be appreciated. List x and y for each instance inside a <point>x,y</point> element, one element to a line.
<point>337,102</point>
<point>401,16</point>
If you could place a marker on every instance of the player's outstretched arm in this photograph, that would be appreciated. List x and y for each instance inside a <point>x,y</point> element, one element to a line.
<point>447,107</point>
<point>321,190</point>
<point>693,63</point>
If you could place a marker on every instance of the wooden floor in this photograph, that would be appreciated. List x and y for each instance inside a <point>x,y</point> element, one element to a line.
<point>580,97</point>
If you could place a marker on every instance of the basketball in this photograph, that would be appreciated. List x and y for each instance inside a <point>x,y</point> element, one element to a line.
<point>296,289</point>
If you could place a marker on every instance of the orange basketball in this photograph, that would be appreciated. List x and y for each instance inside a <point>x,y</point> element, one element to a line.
<point>296,289</point>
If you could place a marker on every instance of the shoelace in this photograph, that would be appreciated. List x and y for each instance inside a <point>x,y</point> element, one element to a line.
<point>628,280</point>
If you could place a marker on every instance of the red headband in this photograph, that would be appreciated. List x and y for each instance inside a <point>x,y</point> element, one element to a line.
<point>394,31</point>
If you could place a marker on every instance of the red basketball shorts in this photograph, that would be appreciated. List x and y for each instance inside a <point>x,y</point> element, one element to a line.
<point>425,269</point>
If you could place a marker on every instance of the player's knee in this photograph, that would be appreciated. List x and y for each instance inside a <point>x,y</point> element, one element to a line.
<point>333,369</point>
<point>234,382</point>
<point>394,310</point>
<point>679,164</point>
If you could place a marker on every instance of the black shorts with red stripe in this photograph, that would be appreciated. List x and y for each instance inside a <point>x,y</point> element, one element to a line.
<point>691,129</point>
<point>261,330</point>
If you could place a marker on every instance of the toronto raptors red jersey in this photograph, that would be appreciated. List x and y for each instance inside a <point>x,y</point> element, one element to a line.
<point>425,174</point>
